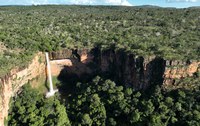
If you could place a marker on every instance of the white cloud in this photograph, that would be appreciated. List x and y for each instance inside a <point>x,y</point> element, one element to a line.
<point>118,2</point>
<point>183,0</point>
<point>126,3</point>
<point>39,2</point>
<point>78,2</point>
<point>107,2</point>
<point>82,1</point>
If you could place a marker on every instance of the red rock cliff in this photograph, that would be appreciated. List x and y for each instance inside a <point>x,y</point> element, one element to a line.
<point>177,70</point>
<point>17,77</point>
<point>126,68</point>
<point>123,67</point>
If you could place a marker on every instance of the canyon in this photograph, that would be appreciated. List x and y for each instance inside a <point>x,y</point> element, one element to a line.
<point>121,66</point>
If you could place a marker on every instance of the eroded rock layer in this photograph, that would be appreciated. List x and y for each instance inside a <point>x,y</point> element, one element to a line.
<point>11,83</point>
<point>124,67</point>
<point>119,65</point>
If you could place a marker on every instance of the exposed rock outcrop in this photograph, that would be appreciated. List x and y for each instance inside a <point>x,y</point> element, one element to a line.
<point>119,65</point>
<point>177,70</point>
<point>126,68</point>
<point>17,77</point>
<point>138,72</point>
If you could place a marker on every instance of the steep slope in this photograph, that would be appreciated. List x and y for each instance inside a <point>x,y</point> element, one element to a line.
<point>119,65</point>
<point>12,82</point>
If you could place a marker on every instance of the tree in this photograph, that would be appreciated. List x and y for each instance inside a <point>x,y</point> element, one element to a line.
<point>86,120</point>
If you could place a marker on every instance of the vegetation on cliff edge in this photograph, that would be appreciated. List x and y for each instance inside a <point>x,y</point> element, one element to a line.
<point>102,102</point>
<point>166,32</point>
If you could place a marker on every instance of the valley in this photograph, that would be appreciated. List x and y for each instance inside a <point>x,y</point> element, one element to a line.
<point>115,66</point>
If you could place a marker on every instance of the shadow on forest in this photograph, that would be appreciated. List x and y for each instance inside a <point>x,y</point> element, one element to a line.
<point>71,75</point>
<point>147,77</point>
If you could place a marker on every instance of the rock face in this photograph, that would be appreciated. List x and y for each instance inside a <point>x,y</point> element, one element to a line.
<point>177,70</point>
<point>11,83</point>
<point>124,67</point>
<point>120,66</point>
<point>130,70</point>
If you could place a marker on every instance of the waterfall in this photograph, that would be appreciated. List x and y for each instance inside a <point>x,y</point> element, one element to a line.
<point>51,90</point>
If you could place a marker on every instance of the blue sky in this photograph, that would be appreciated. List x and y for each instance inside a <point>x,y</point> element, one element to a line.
<point>163,3</point>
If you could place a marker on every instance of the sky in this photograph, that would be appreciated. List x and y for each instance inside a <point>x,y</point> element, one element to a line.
<point>162,3</point>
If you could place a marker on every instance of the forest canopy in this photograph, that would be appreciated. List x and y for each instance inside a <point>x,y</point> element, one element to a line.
<point>166,32</point>
<point>101,102</point>
<point>169,33</point>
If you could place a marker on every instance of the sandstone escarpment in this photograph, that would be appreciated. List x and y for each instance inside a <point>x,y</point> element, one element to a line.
<point>126,68</point>
<point>17,77</point>
<point>131,70</point>
<point>176,71</point>
<point>121,66</point>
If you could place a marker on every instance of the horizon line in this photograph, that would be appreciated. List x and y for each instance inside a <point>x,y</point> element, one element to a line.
<point>95,5</point>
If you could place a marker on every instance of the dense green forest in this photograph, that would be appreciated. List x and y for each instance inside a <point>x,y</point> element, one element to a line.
<point>167,32</point>
<point>102,102</point>
<point>173,34</point>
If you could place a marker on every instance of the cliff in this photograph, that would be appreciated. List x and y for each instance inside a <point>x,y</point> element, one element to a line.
<point>118,65</point>
<point>178,70</point>
<point>123,67</point>
<point>11,83</point>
